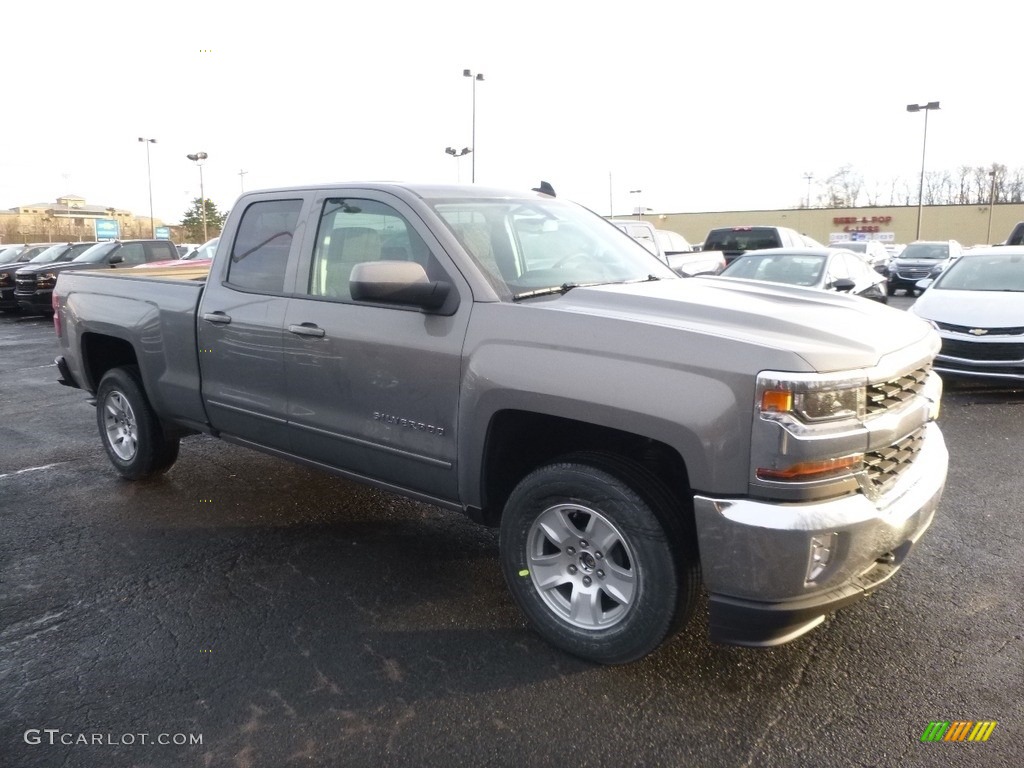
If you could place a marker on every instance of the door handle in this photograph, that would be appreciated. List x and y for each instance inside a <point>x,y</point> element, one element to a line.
<point>308,329</point>
<point>217,317</point>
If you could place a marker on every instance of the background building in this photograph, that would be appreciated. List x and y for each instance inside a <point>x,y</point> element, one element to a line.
<point>69,218</point>
<point>968,224</point>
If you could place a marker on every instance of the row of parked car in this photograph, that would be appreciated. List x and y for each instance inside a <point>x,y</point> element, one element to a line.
<point>28,272</point>
<point>971,296</point>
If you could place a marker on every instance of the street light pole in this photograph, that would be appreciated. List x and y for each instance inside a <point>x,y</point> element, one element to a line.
<point>636,208</point>
<point>241,180</point>
<point>198,159</point>
<point>149,173</point>
<point>991,205</point>
<point>472,144</point>
<point>926,108</point>
<point>457,154</point>
<point>808,177</point>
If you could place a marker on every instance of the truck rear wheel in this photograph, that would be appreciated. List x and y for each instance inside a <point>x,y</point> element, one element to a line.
<point>596,553</point>
<point>129,429</point>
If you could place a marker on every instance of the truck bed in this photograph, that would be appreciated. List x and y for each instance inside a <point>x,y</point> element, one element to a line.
<point>155,314</point>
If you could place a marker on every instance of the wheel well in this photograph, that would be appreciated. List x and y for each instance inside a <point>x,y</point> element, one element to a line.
<point>101,353</point>
<point>518,442</point>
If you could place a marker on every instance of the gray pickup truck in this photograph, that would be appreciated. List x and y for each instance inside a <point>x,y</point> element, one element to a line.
<point>513,357</point>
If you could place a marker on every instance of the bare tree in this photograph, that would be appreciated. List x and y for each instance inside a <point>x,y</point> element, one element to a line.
<point>843,188</point>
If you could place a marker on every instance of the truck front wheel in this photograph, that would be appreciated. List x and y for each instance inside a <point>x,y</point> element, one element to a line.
<point>595,552</point>
<point>129,429</point>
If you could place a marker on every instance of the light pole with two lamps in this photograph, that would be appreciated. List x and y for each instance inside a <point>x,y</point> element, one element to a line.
<point>198,159</point>
<point>149,172</point>
<point>638,210</point>
<point>457,153</point>
<point>472,145</point>
<point>926,108</point>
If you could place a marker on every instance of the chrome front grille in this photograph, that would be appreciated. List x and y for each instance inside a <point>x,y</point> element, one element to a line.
<point>885,465</point>
<point>913,273</point>
<point>885,395</point>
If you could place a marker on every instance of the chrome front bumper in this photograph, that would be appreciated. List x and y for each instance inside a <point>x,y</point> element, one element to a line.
<point>756,555</point>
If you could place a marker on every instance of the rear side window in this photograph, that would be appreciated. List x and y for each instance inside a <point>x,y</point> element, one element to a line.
<point>259,254</point>
<point>161,251</point>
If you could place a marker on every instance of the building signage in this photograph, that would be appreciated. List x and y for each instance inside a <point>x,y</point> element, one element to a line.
<point>163,233</point>
<point>107,229</point>
<point>863,223</point>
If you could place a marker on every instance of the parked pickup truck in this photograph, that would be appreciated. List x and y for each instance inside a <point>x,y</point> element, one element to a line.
<point>672,248</point>
<point>511,356</point>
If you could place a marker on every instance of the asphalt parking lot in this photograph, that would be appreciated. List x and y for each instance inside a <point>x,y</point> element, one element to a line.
<point>282,617</point>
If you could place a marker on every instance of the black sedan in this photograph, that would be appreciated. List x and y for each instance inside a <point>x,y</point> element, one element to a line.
<point>827,269</point>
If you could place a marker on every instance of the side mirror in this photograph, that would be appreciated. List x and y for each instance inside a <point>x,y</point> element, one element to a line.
<point>844,285</point>
<point>397,282</point>
<point>117,258</point>
<point>922,285</point>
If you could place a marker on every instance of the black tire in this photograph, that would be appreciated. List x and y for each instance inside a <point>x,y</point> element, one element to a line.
<point>890,290</point>
<point>129,429</point>
<point>593,502</point>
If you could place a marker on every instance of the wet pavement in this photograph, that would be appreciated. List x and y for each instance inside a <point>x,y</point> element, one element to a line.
<point>283,617</point>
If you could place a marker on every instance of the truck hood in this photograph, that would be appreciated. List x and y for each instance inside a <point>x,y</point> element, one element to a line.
<point>829,331</point>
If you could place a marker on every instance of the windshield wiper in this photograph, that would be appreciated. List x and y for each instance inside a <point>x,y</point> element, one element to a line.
<point>563,289</point>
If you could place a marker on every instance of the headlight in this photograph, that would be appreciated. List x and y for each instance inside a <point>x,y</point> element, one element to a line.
<point>810,402</point>
<point>46,279</point>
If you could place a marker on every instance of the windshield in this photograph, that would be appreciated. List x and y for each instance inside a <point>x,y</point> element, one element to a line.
<point>788,268</point>
<point>527,247</point>
<point>996,272</point>
<point>51,255</point>
<point>205,251</point>
<point>96,253</point>
<point>742,239</point>
<point>937,251</point>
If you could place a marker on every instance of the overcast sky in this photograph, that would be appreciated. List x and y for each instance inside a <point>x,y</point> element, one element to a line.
<point>713,106</point>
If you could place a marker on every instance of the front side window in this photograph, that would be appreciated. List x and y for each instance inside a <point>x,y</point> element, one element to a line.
<point>259,254</point>
<point>838,269</point>
<point>354,231</point>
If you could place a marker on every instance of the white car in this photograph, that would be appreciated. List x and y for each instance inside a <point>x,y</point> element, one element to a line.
<point>977,304</point>
<point>873,252</point>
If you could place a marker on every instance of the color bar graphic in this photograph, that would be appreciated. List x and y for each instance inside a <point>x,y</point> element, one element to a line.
<point>958,730</point>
